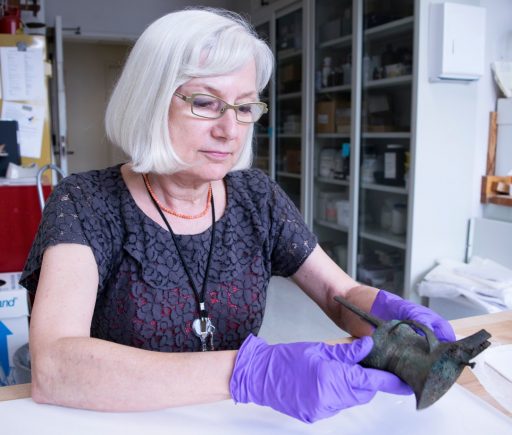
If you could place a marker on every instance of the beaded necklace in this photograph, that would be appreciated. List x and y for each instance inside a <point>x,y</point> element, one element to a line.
<point>175,213</point>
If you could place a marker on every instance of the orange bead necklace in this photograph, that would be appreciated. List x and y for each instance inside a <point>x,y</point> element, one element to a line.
<point>175,213</point>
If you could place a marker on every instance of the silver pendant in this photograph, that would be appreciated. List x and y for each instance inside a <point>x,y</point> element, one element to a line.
<point>204,329</point>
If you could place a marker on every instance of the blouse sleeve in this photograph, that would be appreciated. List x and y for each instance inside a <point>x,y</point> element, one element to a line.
<point>291,240</point>
<point>70,216</point>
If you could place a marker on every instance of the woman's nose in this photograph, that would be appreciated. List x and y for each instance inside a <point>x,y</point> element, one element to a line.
<point>226,127</point>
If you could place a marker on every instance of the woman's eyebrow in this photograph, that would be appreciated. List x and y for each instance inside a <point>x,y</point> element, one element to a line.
<point>215,91</point>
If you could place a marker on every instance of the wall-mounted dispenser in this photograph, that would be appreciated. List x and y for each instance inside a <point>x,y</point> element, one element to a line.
<point>456,42</point>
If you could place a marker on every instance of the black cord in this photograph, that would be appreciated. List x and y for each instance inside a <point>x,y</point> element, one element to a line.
<point>199,296</point>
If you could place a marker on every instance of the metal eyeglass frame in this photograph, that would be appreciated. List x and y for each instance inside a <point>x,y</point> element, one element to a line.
<point>223,110</point>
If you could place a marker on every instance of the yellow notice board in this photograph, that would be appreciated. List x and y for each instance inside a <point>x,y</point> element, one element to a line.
<point>35,42</point>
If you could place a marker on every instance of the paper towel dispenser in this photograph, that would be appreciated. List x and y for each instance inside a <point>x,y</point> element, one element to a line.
<point>456,42</point>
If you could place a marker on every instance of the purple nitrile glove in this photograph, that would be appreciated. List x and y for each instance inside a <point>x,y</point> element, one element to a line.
<point>388,306</point>
<point>308,381</point>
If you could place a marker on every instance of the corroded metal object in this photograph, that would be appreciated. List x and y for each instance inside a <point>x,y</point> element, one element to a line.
<point>429,366</point>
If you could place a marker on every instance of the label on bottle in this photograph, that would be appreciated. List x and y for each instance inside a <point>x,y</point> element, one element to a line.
<point>390,166</point>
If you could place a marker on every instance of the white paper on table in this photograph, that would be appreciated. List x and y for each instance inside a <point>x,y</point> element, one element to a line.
<point>22,74</point>
<point>458,411</point>
<point>30,126</point>
<point>500,359</point>
<point>493,368</point>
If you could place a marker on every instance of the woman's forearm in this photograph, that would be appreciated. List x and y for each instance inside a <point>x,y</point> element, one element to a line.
<point>96,374</point>
<point>322,279</point>
<point>363,297</point>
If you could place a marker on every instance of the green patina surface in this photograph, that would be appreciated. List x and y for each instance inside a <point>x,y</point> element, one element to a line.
<point>411,351</point>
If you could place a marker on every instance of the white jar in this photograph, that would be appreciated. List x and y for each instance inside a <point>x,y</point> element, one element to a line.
<point>327,162</point>
<point>343,213</point>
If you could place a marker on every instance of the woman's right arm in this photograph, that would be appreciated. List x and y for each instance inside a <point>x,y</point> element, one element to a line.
<point>70,368</point>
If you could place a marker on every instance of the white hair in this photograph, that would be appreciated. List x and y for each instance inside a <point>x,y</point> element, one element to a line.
<point>171,51</point>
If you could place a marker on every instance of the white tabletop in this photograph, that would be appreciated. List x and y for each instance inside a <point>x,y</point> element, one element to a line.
<point>457,412</point>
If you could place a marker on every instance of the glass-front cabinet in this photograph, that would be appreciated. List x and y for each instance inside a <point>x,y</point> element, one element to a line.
<point>332,139</point>
<point>345,68</point>
<point>262,130</point>
<point>386,94</point>
<point>288,102</point>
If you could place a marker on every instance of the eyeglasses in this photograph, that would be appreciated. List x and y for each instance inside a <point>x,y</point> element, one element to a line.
<point>212,107</point>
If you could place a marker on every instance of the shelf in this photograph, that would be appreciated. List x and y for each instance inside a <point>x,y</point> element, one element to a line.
<point>389,82</point>
<point>501,200</point>
<point>392,28</point>
<point>289,53</point>
<point>494,188</point>
<point>288,175</point>
<point>289,136</point>
<point>331,225</point>
<point>342,41</point>
<point>384,188</point>
<point>332,135</point>
<point>382,236</point>
<point>333,181</point>
<point>333,89</point>
<point>289,96</point>
<point>387,135</point>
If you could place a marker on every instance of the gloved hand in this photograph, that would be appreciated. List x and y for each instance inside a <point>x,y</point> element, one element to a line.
<point>388,306</point>
<point>308,381</point>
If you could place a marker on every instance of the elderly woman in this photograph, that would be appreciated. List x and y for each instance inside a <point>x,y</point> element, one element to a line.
<point>138,268</point>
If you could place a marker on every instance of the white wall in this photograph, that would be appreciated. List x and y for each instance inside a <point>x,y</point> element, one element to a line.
<point>118,19</point>
<point>90,70</point>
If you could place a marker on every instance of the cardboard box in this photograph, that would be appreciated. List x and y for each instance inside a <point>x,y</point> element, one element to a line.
<point>289,72</point>
<point>14,312</point>
<point>333,116</point>
<point>293,161</point>
<point>325,113</point>
<point>343,119</point>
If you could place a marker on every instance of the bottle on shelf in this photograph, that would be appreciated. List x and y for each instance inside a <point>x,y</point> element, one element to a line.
<point>347,71</point>
<point>385,214</point>
<point>367,69</point>
<point>345,154</point>
<point>398,219</point>
<point>326,168</point>
<point>326,71</point>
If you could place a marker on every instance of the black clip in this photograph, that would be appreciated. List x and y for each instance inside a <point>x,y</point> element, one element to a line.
<point>21,46</point>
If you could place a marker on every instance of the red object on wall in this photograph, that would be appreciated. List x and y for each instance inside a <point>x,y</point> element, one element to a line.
<point>20,214</point>
<point>10,22</point>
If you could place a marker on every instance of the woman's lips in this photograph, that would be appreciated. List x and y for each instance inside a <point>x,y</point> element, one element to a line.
<point>217,155</point>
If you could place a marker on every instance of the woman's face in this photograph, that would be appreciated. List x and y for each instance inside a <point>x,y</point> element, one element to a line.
<point>212,146</point>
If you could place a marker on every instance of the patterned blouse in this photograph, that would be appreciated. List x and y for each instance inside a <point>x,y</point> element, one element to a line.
<point>144,297</point>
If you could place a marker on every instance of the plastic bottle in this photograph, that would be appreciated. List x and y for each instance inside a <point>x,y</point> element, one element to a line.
<point>345,154</point>
<point>326,71</point>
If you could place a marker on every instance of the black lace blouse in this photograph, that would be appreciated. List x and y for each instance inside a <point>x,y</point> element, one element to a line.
<point>144,298</point>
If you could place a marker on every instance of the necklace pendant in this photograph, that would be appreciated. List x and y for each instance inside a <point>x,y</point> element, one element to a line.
<point>204,329</point>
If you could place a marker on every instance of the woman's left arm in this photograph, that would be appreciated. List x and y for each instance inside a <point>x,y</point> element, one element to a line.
<point>322,279</point>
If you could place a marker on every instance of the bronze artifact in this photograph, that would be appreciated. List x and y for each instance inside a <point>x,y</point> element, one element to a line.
<point>429,366</point>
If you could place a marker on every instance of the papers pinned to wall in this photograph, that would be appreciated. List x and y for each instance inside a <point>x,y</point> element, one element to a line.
<point>30,126</point>
<point>22,73</point>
